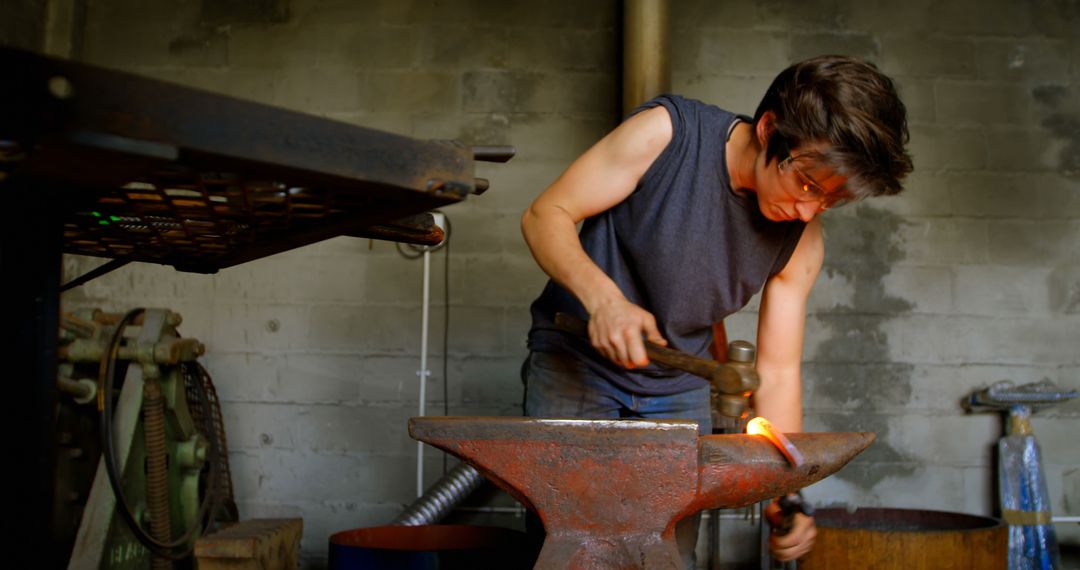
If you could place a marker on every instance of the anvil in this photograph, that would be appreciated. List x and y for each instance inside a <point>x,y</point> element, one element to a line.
<point>609,492</point>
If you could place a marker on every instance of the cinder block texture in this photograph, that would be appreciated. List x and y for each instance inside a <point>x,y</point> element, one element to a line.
<point>1005,195</point>
<point>23,24</point>
<point>1026,150</point>
<point>908,19</point>
<point>1024,59</point>
<point>996,290</point>
<point>814,44</point>
<point>983,103</point>
<point>926,194</point>
<point>939,147</point>
<point>725,51</point>
<point>519,91</point>
<point>1024,243</point>
<point>1065,289</point>
<point>928,56</point>
<point>970,276</point>
<point>947,240</point>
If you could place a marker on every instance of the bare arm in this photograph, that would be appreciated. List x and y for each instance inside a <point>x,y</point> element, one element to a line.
<point>781,321</point>
<point>598,180</point>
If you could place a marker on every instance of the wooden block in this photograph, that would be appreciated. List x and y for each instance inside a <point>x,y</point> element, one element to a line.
<point>257,544</point>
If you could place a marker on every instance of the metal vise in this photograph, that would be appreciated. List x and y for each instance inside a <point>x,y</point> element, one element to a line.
<point>610,492</point>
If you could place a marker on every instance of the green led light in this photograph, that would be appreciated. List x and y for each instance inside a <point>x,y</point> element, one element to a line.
<point>103,222</point>
<point>96,214</point>
<point>114,218</point>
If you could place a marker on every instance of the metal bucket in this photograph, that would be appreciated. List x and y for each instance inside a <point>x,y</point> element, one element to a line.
<point>906,538</point>
<point>428,547</point>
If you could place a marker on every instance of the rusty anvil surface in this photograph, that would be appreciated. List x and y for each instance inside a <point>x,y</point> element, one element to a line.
<point>610,492</point>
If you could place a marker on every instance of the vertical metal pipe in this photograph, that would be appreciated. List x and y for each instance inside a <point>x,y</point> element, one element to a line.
<point>425,303</point>
<point>61,19</point>
<point>646,51</point>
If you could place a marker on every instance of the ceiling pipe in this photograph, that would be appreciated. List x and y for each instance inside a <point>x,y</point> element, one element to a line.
<point>646,52</point>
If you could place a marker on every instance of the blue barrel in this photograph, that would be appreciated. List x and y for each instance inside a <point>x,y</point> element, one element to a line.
<point>429,547</point>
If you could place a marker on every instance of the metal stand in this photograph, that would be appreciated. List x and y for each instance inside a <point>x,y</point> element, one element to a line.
<point>1023,494</point>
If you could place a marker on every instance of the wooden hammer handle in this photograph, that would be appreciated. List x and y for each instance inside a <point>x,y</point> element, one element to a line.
<point>669,357</point>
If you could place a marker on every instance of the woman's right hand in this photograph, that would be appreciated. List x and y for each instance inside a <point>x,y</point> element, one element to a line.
<point>618,330</point>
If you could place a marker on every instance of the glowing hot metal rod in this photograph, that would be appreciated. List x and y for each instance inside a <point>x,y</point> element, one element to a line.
<point>763,427</point>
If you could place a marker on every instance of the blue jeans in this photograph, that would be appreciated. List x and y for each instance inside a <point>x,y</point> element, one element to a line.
<point>560,386</point>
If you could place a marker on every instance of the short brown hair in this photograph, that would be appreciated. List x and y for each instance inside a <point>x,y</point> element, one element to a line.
<point>851,105</point>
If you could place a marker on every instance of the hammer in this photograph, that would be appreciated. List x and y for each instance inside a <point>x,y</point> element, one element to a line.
<point>732,382</point>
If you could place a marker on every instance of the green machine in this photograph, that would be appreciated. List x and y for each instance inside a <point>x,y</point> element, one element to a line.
<point>142,466</point>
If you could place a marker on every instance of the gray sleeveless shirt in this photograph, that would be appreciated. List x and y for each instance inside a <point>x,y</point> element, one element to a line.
<point>683,246</point>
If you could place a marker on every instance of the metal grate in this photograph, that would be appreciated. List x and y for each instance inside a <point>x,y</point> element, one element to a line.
<point>176,216</point>
<point>193,215</point>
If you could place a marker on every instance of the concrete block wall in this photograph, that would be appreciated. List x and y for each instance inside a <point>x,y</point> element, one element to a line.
<point>23,24</point>
<point>971,276</point>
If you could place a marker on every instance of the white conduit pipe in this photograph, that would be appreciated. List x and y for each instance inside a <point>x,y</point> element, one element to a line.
<point>423,373</point>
